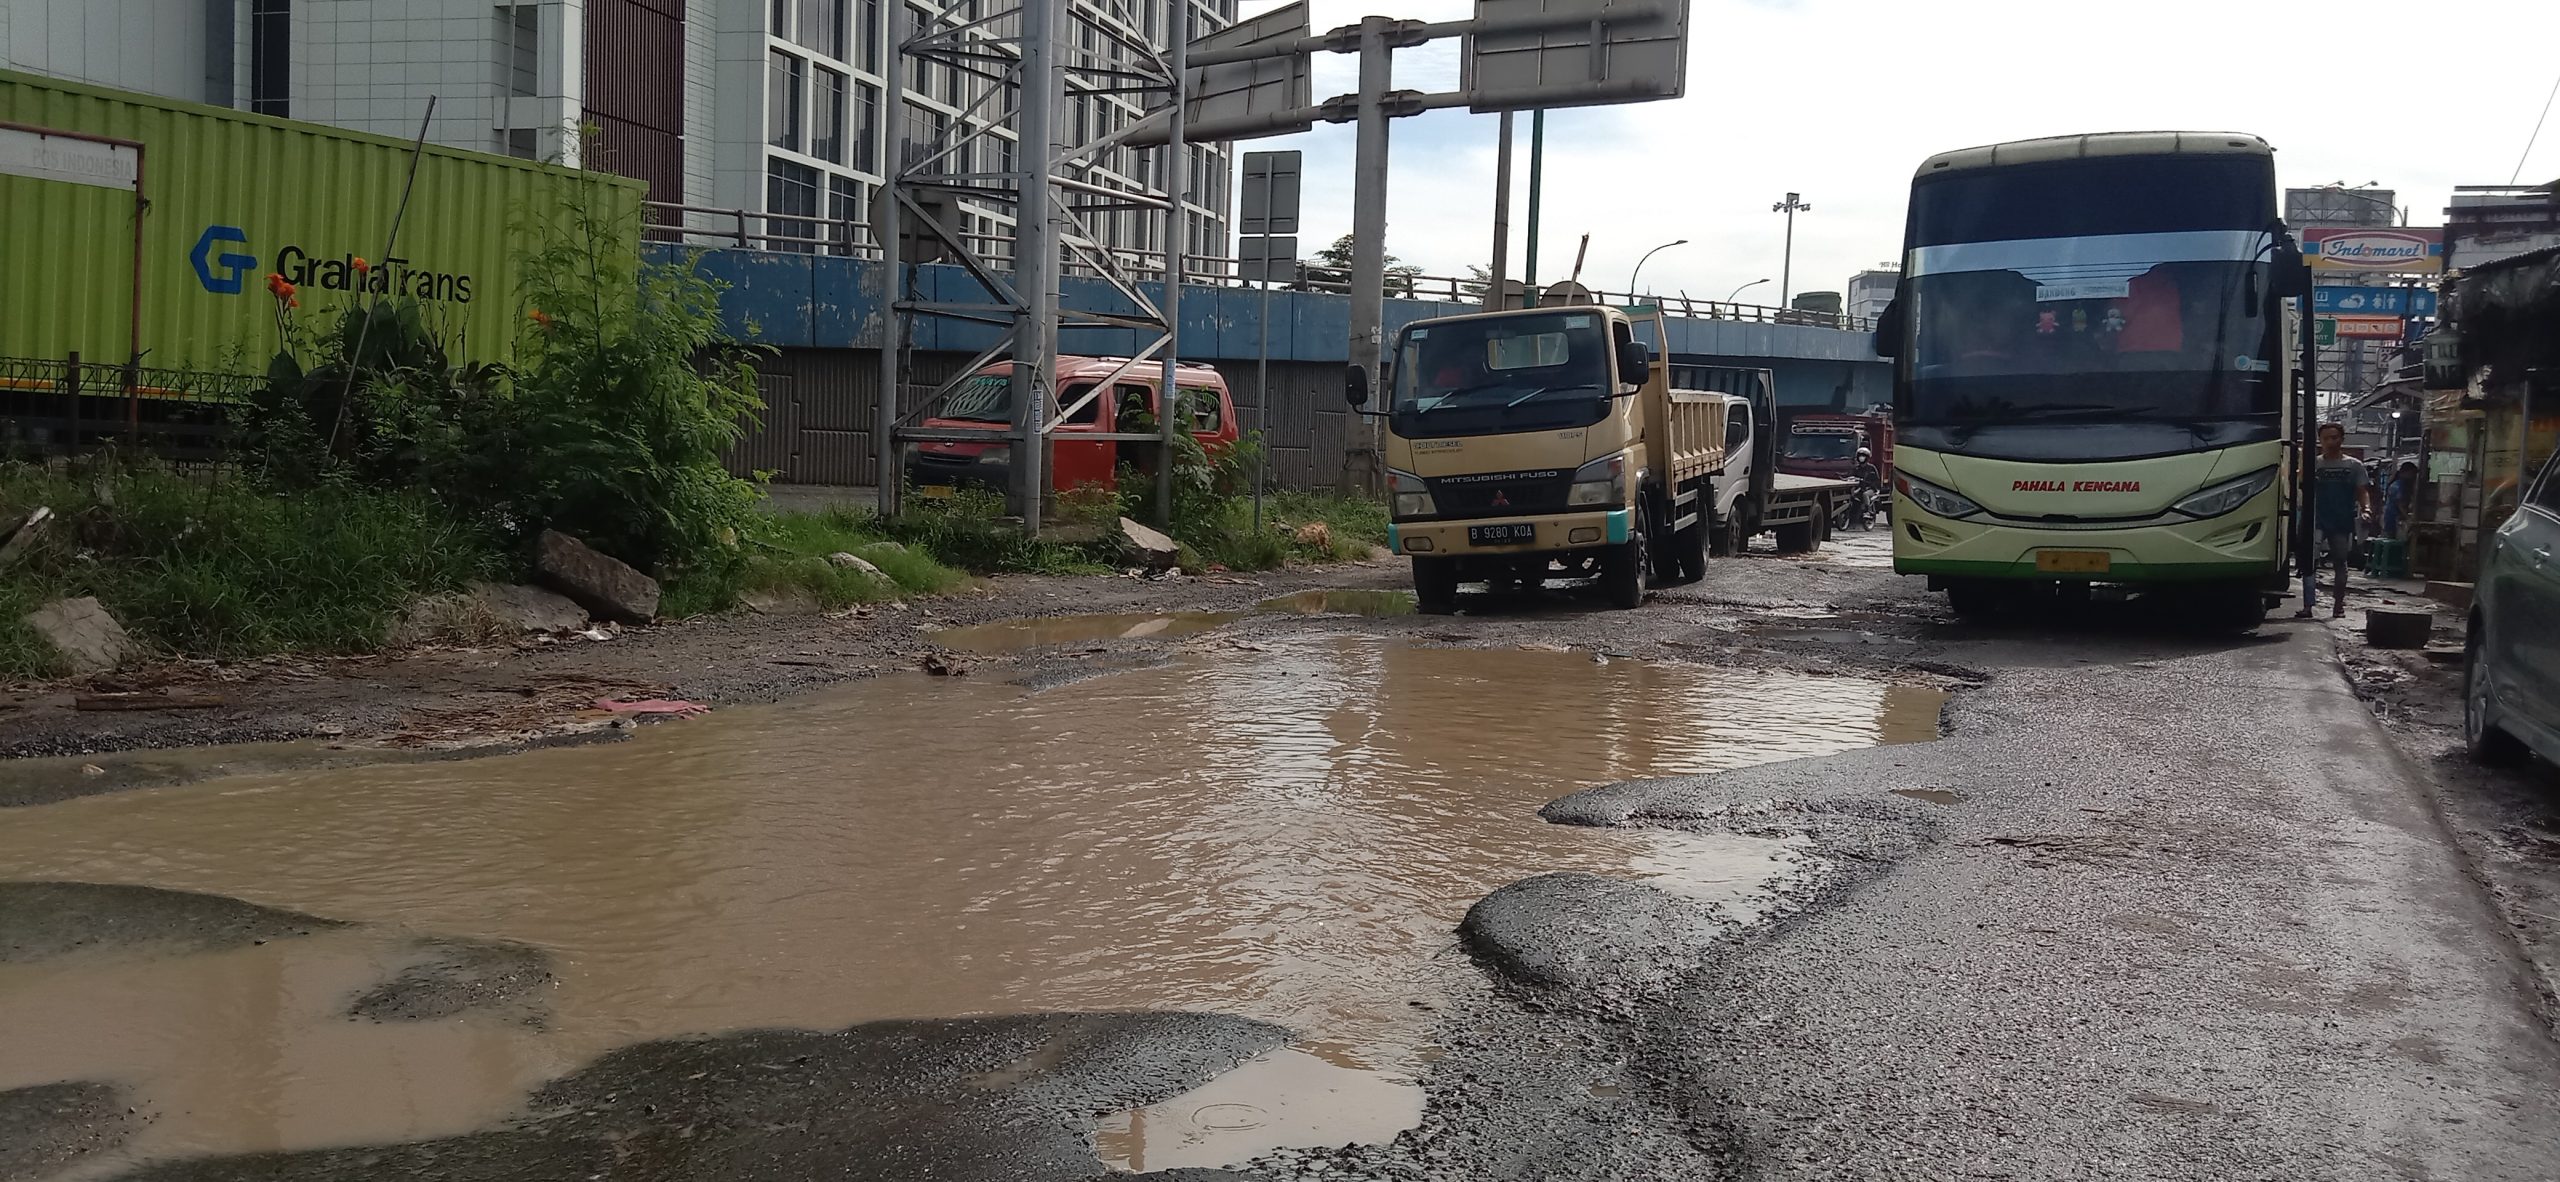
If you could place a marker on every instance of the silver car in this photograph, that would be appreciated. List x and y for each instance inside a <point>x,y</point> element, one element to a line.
<point>2511,667</point>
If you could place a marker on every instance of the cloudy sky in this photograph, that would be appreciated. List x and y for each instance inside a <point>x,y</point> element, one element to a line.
<point>1841,99</point>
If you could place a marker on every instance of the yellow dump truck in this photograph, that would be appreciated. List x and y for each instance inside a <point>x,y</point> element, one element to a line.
<point>1534,443</point>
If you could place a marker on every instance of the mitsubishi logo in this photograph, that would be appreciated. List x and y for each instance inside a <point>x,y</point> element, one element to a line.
<point>1500,501</point>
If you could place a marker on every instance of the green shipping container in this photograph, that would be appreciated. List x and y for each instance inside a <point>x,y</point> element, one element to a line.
<point>228,199</point>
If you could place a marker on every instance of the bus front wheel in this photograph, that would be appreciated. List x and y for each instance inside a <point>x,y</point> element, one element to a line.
<point>1977,600</point>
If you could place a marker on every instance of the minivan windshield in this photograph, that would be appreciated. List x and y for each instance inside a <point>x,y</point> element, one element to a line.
<point>1501,374</point>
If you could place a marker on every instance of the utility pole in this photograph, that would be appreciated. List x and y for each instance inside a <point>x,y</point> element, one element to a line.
<point>1793,205</point>
<point>1035,262</point>
<point>1170,416</point>
<point>1501,216</point>
<point>1537,182</point>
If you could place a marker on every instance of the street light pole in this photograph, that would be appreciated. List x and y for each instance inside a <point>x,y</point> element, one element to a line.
<point>1793,205</point>
<point>1737,292</point>
<point>1648,257</point>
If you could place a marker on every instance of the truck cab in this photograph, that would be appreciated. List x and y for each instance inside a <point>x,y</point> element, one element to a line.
<point>1534,442</point>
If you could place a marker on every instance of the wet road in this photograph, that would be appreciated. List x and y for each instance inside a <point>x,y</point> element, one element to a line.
<point>2159,906</point>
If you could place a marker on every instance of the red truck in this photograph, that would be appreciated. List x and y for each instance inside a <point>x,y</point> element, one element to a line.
<point>1826,445</point>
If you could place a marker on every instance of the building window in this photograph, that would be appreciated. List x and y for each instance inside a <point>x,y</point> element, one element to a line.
<point>783,109</point>
<point>869,34</point>
<point>782,18</point>
<point>270,57</point>
<point>848,207</point>
<point>791,200</point>
<point>520,49</point>
<point>822,27</point>
<point>918,20</point>
<point>866,127</point>
<point>1007,159</point>
<point>827,142</point>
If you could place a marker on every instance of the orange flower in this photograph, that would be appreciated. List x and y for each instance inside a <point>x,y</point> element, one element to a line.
<point>293,301</point>
<point>276,284</point>
<point>360,265</point>
<point>538,316</point>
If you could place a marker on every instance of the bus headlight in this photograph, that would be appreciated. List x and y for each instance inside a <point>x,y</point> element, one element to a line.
<point>1410,495</point>
<point>1601,482</point>
<point>2216,500</point>
<point>1933,499</point>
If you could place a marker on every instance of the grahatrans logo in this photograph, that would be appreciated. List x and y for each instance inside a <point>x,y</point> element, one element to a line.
<point>225,273</point>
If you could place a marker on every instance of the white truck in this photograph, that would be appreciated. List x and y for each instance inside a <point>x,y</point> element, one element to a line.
<point>1750,496</point>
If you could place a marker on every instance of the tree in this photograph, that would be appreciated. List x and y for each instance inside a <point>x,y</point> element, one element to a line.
<point>1477,281</point>
<point>1331,268</point>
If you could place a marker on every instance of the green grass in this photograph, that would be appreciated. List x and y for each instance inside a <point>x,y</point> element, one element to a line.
<point>224,568</point>
<point>786,553</point>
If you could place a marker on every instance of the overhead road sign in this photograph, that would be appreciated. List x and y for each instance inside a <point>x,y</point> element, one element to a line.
<point>1587,52</point>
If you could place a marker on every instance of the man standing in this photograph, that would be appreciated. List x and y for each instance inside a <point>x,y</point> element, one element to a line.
<point>2341,496</point>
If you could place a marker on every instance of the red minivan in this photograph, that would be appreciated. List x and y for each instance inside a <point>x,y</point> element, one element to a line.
<point>934,469</point>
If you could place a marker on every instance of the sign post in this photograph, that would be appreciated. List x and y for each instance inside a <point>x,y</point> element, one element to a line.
<point>1267,248</point>
<point>1518,55</point>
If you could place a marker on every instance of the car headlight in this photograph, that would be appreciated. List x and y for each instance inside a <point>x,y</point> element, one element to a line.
<point>1601,482</point>
<point>1410,495</point>
<point>2216,500</point>
<point>1933,499</point>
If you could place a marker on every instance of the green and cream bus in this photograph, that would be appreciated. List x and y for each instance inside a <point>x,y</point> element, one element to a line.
<point>2093,378</point>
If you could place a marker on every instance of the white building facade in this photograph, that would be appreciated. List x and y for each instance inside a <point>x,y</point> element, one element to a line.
<point>780,108</point>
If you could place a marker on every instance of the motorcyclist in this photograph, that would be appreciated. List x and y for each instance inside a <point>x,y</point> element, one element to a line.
<point>1870,487</point>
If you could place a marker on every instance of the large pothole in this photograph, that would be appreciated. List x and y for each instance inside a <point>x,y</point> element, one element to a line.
<point>1288,833</point>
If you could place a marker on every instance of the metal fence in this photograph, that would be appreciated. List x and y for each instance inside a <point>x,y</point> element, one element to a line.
<point>65,405</point>
<point>747,229</point>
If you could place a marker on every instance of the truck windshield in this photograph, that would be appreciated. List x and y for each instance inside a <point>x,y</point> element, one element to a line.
<point>2121,309</point>
<point>1502,374</point>
<point>1821,445</point>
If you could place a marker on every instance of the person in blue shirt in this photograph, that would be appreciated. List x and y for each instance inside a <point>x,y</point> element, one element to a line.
<point>2341,497</point>
<point>2396,499</point>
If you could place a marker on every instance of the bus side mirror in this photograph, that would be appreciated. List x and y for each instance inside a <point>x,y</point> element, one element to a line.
<point>2292,279</point>
<point>1355,386</point>
<point>1889,330</point>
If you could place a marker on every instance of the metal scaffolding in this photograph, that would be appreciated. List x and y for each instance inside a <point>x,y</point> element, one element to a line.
<point>1054,194</point>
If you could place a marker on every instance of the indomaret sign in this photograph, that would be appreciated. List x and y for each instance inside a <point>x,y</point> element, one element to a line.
<point>2385,250</point>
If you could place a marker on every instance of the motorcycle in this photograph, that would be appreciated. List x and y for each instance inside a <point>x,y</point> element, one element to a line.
<point>1859,509</point>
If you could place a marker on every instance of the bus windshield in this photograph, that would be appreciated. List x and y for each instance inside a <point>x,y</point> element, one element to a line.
<point>1511,373</point>
<point>2128,294</point>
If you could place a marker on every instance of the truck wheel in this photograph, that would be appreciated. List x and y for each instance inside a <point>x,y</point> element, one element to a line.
<point>1803,537</point>
<point>1435,586</point>
<point>1690,546</point>
<point>1624,567</point>
<point>1664,549</point>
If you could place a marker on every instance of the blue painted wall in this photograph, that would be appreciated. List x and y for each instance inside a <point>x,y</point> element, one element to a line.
<point>828,302</point>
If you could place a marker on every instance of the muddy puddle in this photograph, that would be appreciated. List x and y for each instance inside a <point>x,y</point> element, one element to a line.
<point>1009,636</point>
<point>1289,834</point>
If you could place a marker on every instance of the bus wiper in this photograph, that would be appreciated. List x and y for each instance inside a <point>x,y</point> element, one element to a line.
<point>2060,410</point>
